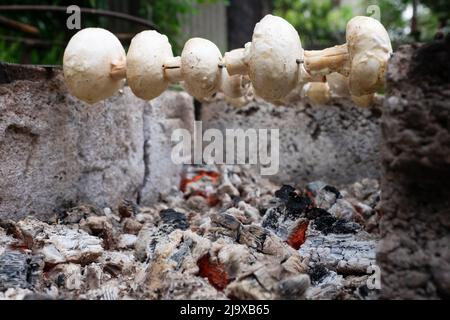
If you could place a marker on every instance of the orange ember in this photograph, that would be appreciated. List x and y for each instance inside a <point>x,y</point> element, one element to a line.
<point>298,236</point>
<point>214,272</point>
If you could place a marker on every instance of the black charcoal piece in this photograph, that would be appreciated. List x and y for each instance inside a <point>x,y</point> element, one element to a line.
<point>317,273</point>
<point>13,270</point>
<point>174,218</point>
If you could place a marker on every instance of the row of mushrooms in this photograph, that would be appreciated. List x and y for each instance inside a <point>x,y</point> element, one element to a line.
<point>271,66</point>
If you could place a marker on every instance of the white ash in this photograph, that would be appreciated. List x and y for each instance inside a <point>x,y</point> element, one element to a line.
<point>226,233</point>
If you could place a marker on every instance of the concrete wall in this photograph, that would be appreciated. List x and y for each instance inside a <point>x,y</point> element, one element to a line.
<point>414,253</point>
<point>338,143</point>
<point>56,151</point>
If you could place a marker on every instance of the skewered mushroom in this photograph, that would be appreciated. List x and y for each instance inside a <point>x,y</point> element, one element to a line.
<point>94,64</point>
<point>274,62</point>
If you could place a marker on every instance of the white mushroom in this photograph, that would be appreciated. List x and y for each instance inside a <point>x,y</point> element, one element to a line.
<point>148,51</point>
<point>235,86</point>
<point>317,92</point>
<point>271,59</point>
<point>338,84</point>
<point>200,67</point>
<point>274,62</point>
<point>370,48</point>
<point>94,65</point>
<point>363,59</point>
<point>364,101</point>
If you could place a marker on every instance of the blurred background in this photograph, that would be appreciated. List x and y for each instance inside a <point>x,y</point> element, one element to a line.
<point>34,32</point>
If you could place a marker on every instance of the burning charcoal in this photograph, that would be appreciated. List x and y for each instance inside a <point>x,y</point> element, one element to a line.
<point>284,193</point>
<point>295,204</point>
<point>344,253</point>
<point>324,223</point>
<point>226,186</point>
<point>366,191</point>
<point>37,296</point>
<point>294,288</point>
<point>315,213</point>
<point>174,218</point>
<point>127,209</point>
<point>250,212</point>
<point>213,271</point>
<point>343,210</point>
<point>126,241</point>
<point>35,268</point>
<point>330,287</point>
<point>131,226</point>
<point>5,239</point>
<point>116,263</point>
<point>71,246</point>
<point>100,226</point>
<point>182,287</point>
<point>253,236</point>
<point>330,224</point>
<point>270,280</point>
<point>326,197</point>
<point>146,241</point>
<point>67,276</point>
<point>289,230</point>
<point>109,292</point>
<point>314,187</point>
<point>333,190</point>
<point>75,214</point>
<point>93,274</point>
<point>317,273</point>
<point>225,224</point>
<point>239,215</point>
<point>13,270</point>
<point>197,203</point>
<point>161,263</point>
<point>271,219</point>
<point>297,233</point>
<point>15,294</point>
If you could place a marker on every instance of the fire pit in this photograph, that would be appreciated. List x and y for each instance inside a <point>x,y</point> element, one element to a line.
<point>225,234</point>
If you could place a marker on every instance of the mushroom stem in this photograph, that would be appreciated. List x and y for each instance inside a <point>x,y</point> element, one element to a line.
<point>323,62</point>
<point>235,62</point>
<point>172,69</point>
<point>118,69</point>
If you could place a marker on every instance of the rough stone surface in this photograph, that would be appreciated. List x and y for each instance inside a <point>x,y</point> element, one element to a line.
<point>414,253</point>
<point>338,143</point>
<point>168,112</point>
<point>56,151</point>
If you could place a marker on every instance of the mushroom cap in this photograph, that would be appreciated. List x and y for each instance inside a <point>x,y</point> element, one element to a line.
<point>233,86</point>
<point>338,84</point>
<point>145,58</point>
<point>200,61</point>
<point>317,92</point>
<point>364,101</point>
<point>369,48</point>
<point>272,58</point>
<point>88,59</point>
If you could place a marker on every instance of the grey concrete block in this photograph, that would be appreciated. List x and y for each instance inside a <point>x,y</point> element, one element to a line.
<point>414,252</point>
<point>56,151</point>
<point>338,143</point>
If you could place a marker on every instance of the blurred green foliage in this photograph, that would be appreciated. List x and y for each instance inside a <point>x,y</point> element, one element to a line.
<point>320,23</point>
<point>166,15</point>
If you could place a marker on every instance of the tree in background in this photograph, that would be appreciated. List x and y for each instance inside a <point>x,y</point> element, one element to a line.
<point>47,45</point>
<point>319,22</point>
<point>241,19</point>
